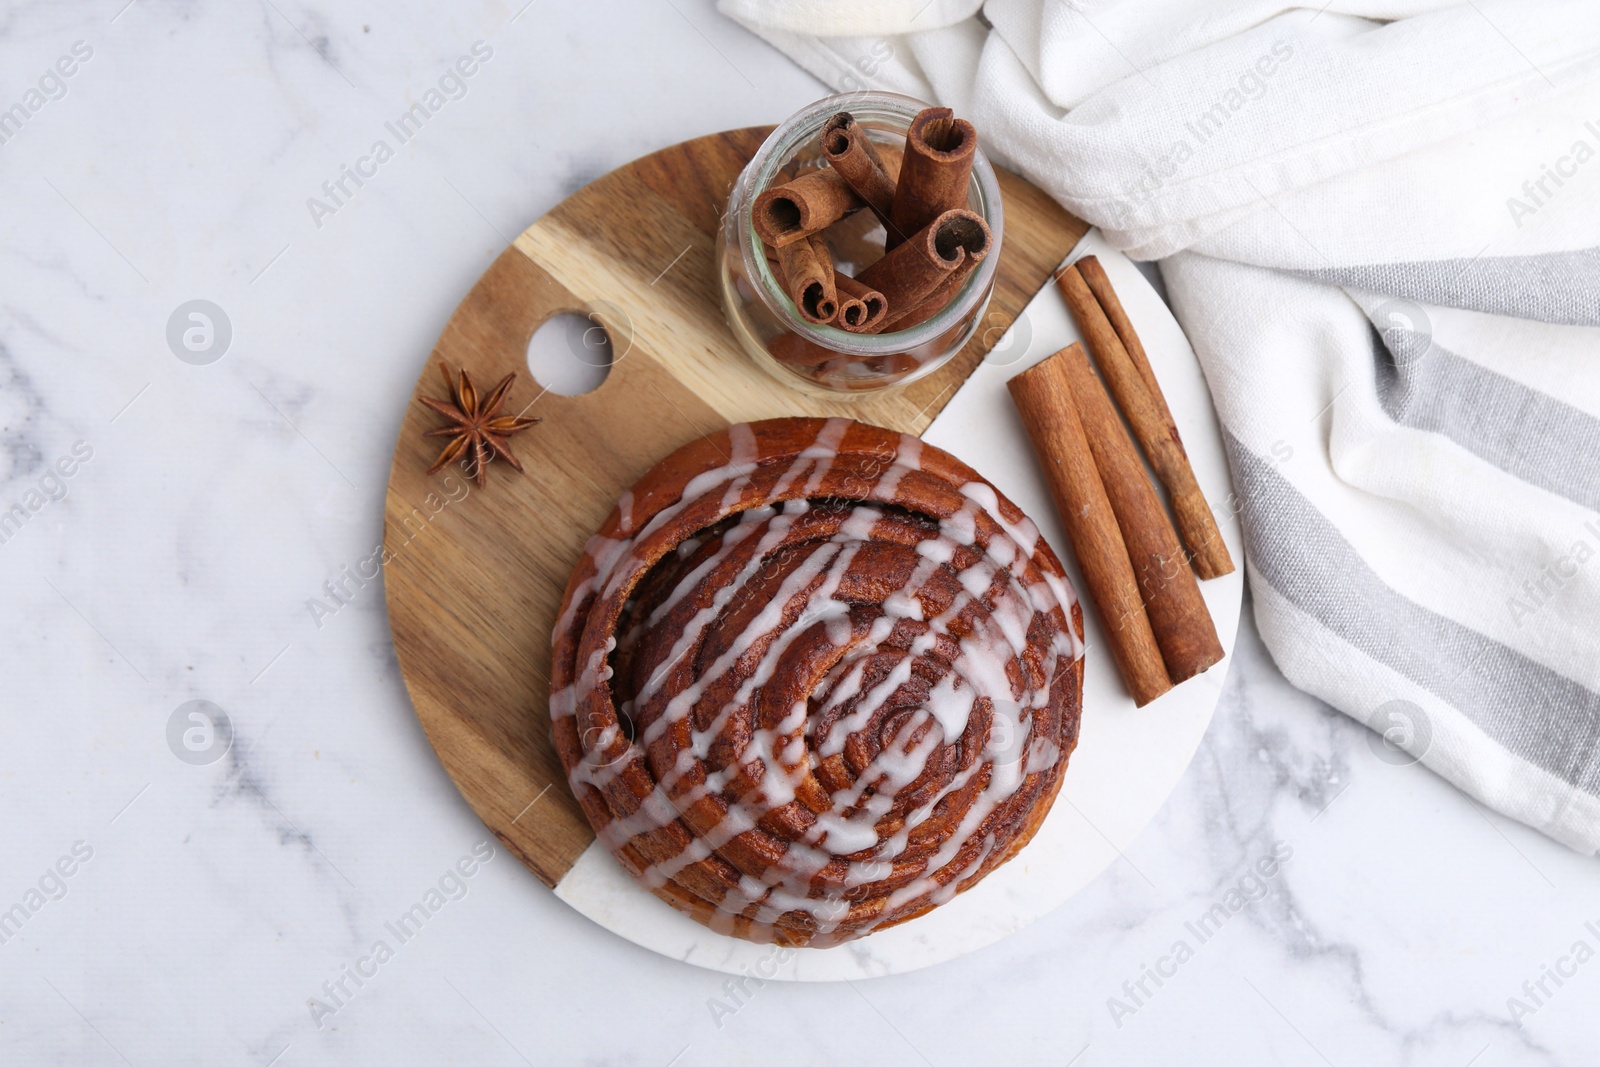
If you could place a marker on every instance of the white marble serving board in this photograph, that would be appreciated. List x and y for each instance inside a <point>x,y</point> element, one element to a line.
<point>1128,759</point>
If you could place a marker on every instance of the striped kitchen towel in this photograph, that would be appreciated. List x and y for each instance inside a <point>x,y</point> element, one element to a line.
<point>1379,224</point>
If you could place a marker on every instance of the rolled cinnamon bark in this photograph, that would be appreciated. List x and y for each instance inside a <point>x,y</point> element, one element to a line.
<point>935,174</point>
<point>1141,402</point>
<point>1172,600</point>
<point>910,273</point>
<point>799,208</point>
<point>861,307</point>
<point>934,302</point>
<point>795,351</point>
<point>1043,396</point>
<point>806,269</point>
<point>1094,275</point>
<point>847,148</point>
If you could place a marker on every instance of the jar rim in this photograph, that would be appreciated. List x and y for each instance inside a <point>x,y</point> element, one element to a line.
<point>776,151</point>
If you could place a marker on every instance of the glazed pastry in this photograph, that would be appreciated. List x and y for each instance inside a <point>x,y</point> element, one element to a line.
<point>813,678</point>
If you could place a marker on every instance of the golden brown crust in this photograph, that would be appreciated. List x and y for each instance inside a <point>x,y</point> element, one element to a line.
<point>813,677</point>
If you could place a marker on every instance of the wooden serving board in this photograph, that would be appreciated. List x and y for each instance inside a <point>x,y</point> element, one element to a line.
<point>474,576</point>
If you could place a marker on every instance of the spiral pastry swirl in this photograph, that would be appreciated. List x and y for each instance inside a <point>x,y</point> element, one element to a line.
<point>813,678</point>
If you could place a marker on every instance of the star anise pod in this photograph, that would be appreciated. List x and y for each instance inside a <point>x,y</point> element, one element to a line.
<point>475,430</point>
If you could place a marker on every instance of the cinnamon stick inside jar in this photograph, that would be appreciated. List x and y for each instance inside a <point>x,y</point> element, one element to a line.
<point>799,208</point>
<point>849,151</point>
<point>861,307</point>
<point>806,270</point>
<point>1133,383</point>
<point>795,351</point>
<point>911,273</point>
<point>1172,600</point>
<point>935,173</point>
<point>934,302</point>
<point>1043,396</point>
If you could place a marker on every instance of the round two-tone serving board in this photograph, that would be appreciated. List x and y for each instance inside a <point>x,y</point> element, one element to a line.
<point>474,576</point>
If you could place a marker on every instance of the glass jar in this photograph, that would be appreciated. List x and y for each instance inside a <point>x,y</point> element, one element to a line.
<point>760,312</point>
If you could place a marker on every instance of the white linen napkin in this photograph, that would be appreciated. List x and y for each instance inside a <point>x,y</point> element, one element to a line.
<point>1379,224</point>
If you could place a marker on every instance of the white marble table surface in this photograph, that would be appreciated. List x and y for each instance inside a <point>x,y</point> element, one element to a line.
<point>207,905</point>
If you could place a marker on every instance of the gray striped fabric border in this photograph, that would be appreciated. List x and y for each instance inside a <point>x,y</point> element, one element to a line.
<point>1520,430</point>
<point>1561,287</point>
<point>1537,713</point>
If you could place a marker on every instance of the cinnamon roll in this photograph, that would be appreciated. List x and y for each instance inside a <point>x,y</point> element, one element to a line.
<point>813,678</point>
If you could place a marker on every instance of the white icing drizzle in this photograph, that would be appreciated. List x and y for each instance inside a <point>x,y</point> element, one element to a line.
<point>987,622</point>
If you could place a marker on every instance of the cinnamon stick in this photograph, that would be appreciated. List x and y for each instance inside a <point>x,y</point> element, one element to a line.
<point>934,302</point>
<point>1100,285</point>
<point>795,351</point>
<point>1172,600</point>
<point>911,272</point>
<point>799,208</point>
<point>1044,398</point>
<point>847,148</point>
<point>1145,408</point>
<point>861,307</point>
<point>806,269</point>
<point>935,173</point>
